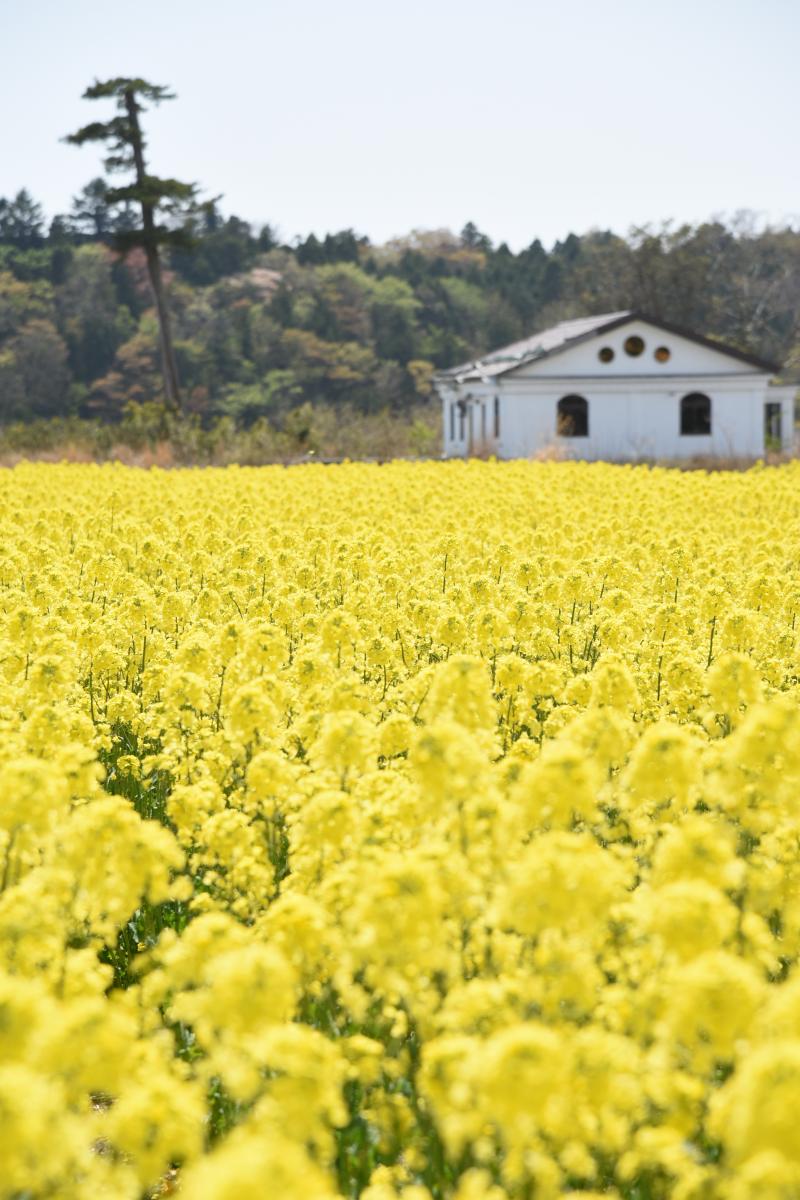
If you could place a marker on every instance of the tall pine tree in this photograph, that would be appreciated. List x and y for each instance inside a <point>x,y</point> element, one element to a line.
<point>157,198</point>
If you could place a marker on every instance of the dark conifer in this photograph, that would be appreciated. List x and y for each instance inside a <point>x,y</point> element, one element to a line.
<point>158,198</point>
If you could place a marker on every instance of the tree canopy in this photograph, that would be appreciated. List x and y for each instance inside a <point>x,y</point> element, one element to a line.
<point>125,145</point>
<point>262,328</point>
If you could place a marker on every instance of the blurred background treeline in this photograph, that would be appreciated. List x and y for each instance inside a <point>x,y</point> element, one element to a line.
<point>327,345</point>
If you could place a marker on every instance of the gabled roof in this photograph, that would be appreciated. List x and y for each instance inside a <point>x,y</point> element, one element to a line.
<point>549,342</point>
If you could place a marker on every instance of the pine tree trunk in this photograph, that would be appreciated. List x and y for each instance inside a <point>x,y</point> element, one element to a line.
<point>168,365</point>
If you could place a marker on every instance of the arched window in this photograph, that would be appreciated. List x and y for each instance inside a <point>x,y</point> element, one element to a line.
<point>696,413</point>
<point>572,417</point>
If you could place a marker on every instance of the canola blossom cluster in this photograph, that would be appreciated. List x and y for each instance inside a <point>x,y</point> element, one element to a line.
<point>422,830</point>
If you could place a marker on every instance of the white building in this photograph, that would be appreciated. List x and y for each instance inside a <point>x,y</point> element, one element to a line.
<point>618,386</point>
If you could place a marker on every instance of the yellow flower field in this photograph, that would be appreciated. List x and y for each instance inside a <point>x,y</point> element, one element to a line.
<point>423,830</point>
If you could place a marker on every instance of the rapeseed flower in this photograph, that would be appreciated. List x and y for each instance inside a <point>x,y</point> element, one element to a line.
<point>425,831</point>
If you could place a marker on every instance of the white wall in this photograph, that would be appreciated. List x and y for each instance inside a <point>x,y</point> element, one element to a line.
<point>625,425</point>
<point>475,434</point>
<point>625,422</point>
<point>525,427</point>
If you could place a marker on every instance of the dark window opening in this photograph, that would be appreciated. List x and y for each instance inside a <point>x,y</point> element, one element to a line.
<point>483,422</point>
<point>634,345</point>
<point>605,354</point>
<point>696,414</point>
<point>462,412</point>
<point>572,418</point>
<point>662,354</point>
<point>452,422</point>
<point>773,425</point>
<point>497,416</point>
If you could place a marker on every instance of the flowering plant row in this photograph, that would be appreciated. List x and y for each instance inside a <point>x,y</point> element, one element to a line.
<point>425,830</point>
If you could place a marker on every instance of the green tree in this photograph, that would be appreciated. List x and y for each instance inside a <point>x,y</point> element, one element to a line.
<point>91,215</point>
<point>471,236</point>
<point>156,197</point>
<point>219,246</point>
<point>36,375</point>
<point>393,314</point>
<point>344,294</point>
<point>21,221</point>
<point>133,377</point>
<point>91,322</point>
<point>22,301</point>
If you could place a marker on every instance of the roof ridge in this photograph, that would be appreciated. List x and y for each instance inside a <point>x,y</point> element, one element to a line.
<point>547,341</point>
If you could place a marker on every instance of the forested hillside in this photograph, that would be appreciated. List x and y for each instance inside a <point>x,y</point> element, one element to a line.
<point>263,328</point>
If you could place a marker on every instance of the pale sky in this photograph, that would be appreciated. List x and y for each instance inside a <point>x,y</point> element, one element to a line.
<point>530,119</point>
